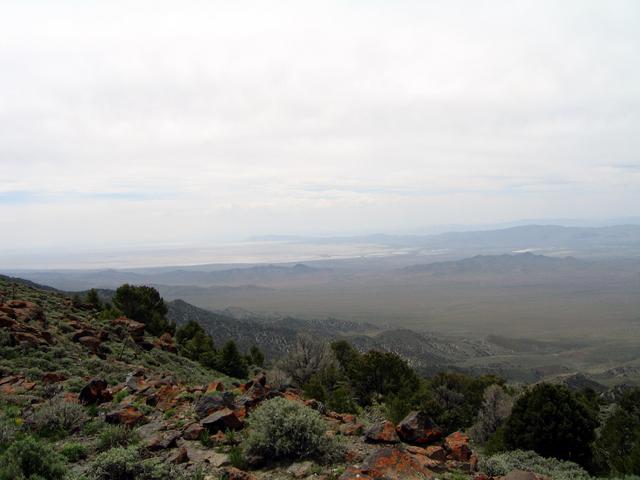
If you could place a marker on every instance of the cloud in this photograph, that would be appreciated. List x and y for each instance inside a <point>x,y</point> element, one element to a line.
<point>209,120</point>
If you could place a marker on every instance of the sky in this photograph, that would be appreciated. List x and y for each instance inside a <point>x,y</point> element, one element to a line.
<point>134,123</point>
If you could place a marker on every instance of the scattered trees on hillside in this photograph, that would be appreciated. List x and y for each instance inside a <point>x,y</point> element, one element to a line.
<point>195,343</point>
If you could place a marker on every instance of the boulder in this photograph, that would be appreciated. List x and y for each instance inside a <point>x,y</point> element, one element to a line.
<point>92,343</point>
<point>232,473</point>
<point>524,475</point>
<point>208,404</point>
<point>457,444</point>
<point>389,463</point>
<point>436,452</point>
<point>222,420</point>
<point>193,431</point>
<point>163,440</point>
<point>419,429</point>
<point>95,392</point>
<point>135,381</point>
<point>351,428</point>
<point>53,377</point>
<point>135,329</point>
<point>381,432</point>
<point>165,342</point>
<point>181,456</point>
<point>254,395</point>
<point>127,415</point>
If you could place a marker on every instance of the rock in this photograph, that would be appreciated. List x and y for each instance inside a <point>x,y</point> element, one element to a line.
<point>524,475</point>
<point>53,377</point>
<point>181,456</point>
<point>418,428</point>
<point>457,444</point>
<point>215,387</point>
<point>92,343</point>
<point>128,415</point>
<point>222,420</point>
<point>164,440</point>
<point>95,392</point>
<point>300,469</point>
<point>218,459</point>
<point>256,394</point>
<point>381,432</point>
<point>389,463</point>
<point>232,473</point>
<point>135,381</point>
<point>208,404</point>
<point>436,452</point>
<point>135,329</point>
<point>193,431</point>
<point>165,342</point>
<point>351,428</point>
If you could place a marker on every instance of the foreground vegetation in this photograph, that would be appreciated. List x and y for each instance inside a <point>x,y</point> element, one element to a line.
<point>54,345</point>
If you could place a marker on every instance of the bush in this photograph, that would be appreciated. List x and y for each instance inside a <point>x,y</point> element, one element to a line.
<point>74,451</point>
<point>281,429</point>
<point>8,431</point>
<point>57,418</point>
<point>127,464</point>
<point>31,459</point>
<point>116,436</point>
<point>552,421</point>
<point>117,464</point>
<point>503,463</point>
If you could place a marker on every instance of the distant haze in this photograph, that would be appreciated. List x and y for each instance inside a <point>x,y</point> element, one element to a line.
<point>127,124</point>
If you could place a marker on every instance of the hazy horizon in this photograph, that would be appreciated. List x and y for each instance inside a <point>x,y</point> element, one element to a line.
<point>152,123</point>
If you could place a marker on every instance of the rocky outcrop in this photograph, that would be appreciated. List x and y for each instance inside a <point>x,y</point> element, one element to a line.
<point>225,419</point>
<point>95,392</point>
<point>381,432</point>
<point>457,446</point>
<point>417,428</point>
<point>389,464</point>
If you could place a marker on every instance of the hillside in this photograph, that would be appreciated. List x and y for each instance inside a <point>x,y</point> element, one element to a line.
<point>96,398</point>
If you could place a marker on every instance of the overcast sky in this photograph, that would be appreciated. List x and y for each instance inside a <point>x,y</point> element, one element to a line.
<point>127,122</point>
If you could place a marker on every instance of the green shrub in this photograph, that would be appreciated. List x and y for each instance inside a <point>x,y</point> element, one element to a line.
<point>117,464</point>
<point>57,418</point>
<point>503,463</point>
<point>93,426</point>
<point>31,459</point>
<point>127,464</point>
<point>74,451</point>
<point>8,431</point>
<point>237,458</point>
<point>281,429</point>
<point>116,436</point>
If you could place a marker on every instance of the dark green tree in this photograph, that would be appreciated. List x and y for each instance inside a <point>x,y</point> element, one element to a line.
<point>459,397</point>
<point>378,374</point>
<point>618,447</point>
<point>554,422</point>
<point>144,304</point>
<point>195,343</point>
<point>256,357</point>
<point>231,362</point>
<point>93,299</point>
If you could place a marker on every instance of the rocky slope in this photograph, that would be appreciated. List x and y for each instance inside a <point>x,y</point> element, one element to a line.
<point>57,354</point>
